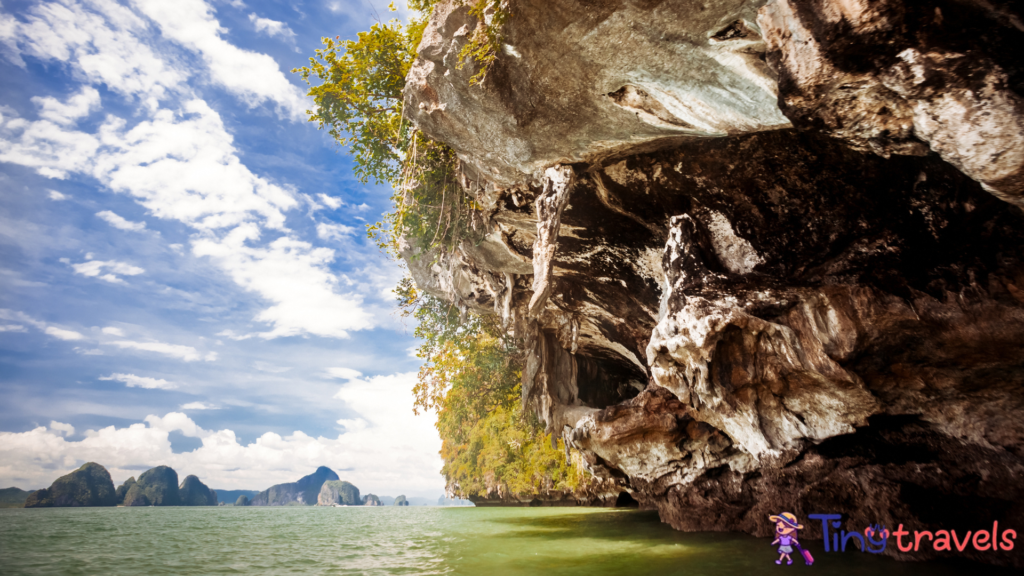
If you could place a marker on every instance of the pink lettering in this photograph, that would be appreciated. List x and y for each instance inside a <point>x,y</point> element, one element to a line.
<point>900,533</point>
<point>917,538</point>
<point>960,547</point>
<point>1007,545</point>
<point>941,541</point>
<point>983,545</point>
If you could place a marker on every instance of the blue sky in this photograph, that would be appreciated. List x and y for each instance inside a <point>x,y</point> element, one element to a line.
<point>184,273</point>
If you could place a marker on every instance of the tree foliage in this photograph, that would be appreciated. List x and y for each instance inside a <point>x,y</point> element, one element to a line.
<point>471,365</point>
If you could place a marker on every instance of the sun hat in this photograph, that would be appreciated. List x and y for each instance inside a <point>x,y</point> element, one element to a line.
<point>787,519</point>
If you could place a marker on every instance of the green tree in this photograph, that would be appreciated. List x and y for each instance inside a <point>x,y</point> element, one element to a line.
<point>471,365</point>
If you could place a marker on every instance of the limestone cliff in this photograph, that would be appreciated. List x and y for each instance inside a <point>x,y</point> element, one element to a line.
<point>762,256</point>
<point>90,485</point>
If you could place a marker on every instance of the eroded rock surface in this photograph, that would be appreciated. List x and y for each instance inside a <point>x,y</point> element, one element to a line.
<point>577,81</point>
<point>824,321</point>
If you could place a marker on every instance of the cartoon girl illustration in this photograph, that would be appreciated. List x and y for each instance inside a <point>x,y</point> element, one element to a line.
<point>786,528</point>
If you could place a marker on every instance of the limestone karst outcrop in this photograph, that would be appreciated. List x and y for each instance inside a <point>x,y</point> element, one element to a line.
<point>193,492</point>
<point>339,492</point>
<point>304,491</point>
<point>90,485</point>
<point>762,256</point>
<point>371,500</point>
<point>122,490</point>
<point>400,500</point>
<point>243,500</point>
<point>155,487</point>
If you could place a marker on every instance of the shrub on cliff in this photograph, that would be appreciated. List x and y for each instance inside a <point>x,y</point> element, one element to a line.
<point>90,485</point>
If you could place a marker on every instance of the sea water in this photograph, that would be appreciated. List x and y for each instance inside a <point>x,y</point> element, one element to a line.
<point>393,540</point>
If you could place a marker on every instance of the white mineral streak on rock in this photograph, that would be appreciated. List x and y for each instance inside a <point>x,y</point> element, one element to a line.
<point>551,202</point>
<point>734,252</point>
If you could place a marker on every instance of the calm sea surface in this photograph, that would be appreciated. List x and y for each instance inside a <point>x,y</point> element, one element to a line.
<point>389,540</point>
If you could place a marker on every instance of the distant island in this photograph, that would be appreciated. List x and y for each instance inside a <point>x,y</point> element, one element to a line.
<point>91,485</point>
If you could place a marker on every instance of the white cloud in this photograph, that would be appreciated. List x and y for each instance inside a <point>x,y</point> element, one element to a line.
<point>63,334</point>
<point>67,114</point>
<point>186,353</point>
<point>12,328</point>
<point>331,231</point>
<point>392,452</point>
<point>56,196</point>
<point>62,428</point>
<point>113,331</point>
<point>105,43</point>
<point>234,335</point>
<point>332,202</point>
<point>343,373</point>
<point>120,223</point>
<point>272,28</point>
<point>198,406</point>
<point>180,164</point>
<point>254,77</point>
<point>95,269</point>
<point>133,381</point>
<point>292,274</point>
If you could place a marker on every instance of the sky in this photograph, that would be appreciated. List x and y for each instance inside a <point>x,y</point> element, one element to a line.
<point>185,277</point>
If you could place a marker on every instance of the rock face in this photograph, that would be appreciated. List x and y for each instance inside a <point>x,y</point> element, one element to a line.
<point>243,500</point>
<point>338,492</point>
<point>123,489</point>
<point>90,485</point>
<point>155,487</point>
<point>371,500</point>
<point>305,491</point>
<point>401,501</point>
<point>193,492</point>
<point>824,320</point>
<point>625,74</point>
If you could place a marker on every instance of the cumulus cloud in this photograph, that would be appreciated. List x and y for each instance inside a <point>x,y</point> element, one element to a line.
<point>133,381</point>
<point>68,113</point>
<point>332,202</point>
<point>120,223</point>
<point>272,28</point>
<point>186,353</point>
<point>255,78</point>
<point>106,270</point>
<point>178,161</point>
<point>56,196</point>
<point>62,428</point>
<point>292,274</point>
<point>105,43</point>
<point>392,452</point>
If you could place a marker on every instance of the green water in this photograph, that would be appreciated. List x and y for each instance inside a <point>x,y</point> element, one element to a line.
<point>379,541</point>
